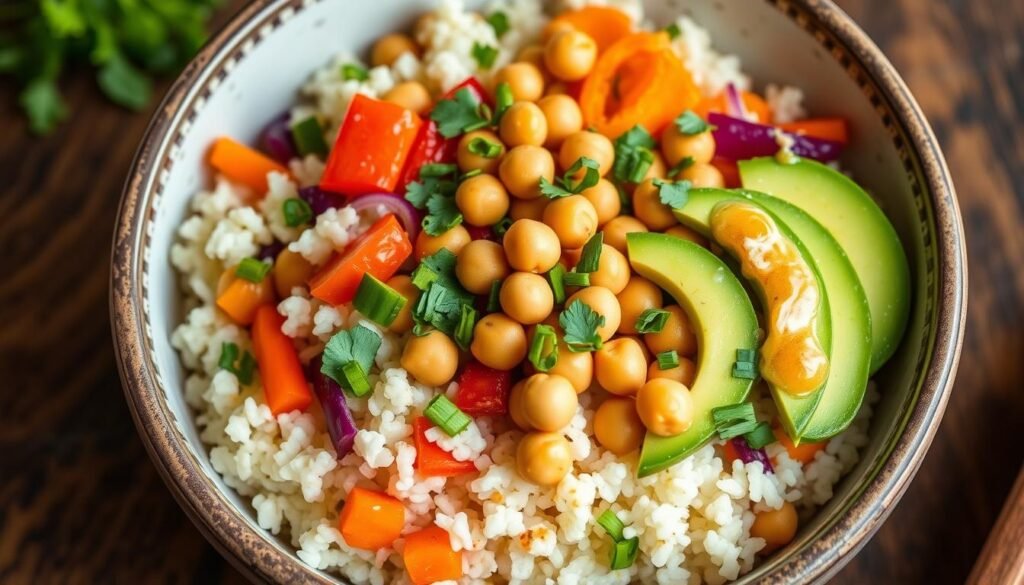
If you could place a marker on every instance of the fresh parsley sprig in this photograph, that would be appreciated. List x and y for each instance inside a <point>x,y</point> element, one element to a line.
<point>569,184</point>
<point>460,114</point>
<point>435,193</point>
<point>580,323</point>
<point>634,155</point>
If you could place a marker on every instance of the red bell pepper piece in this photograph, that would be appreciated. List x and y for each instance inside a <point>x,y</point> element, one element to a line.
<point>372,147</point>
<point>432,460</point>
<point>483,391</point>
<point>380,251</point>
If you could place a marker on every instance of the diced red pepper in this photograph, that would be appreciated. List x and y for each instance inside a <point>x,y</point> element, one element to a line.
<point>432,460</point>
<point>483,391</point>
<point>372,148</point>
<point>380,251</point>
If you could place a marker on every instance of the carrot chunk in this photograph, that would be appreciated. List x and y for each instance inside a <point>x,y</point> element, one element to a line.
<point>284,383</point>
<point>429,557</point>
<point>243,165</point>
<point>371,520</point>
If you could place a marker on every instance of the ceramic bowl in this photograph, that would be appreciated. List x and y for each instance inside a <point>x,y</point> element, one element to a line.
<point>252,69</point>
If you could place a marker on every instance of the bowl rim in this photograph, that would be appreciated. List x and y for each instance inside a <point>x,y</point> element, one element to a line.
<point>261,557</point>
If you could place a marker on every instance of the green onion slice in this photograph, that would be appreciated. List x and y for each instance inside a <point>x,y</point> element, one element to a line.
<point>503,100</point>
<point>625,552</point>
<point>483,147</point>
<point>590,258</point>
<point>651,321</point>
<point>746,355</point>
<point>494,298</point>
<point>543,352</point>
<point>308,135</point>
<point>735,429</point>
<point>760,437</point>
<point>668,360</point>
<point>296,212</point>
<point>744,370</point>
<point>449,418</point>
<point>423,276</point>
<point>252,270</point>
<point>355,377</point>
<point>377,301</point>
<point>464,330</point>
<point>556,276</point>
<point>577,279</point>
<point>744,411</point>
<point>436,170</point>
<point>611,524</point>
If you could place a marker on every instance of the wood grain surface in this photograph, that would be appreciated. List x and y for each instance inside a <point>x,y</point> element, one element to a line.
<point>81,503</point>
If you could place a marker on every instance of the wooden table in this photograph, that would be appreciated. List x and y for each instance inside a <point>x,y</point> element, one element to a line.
<point>81,503</point>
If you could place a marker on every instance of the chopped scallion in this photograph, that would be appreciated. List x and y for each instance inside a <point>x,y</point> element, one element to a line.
<point>556,276</point>
<point>350,71</point>
<point>470,174</point>
<point>668,360</point>
<point>611,524</point>
<point>625,552</point>
<point>355,378</point>
<point>493,299</point>
<point>503,100</point>
<point>590,258</point>
<point>296,212</point>
<point>577,279</point>
<point>309,137</point>
<point>442,412</point>
<point>746,355</point>
<point>734,412</point>
<point>242,369</point>
<point>483,147</point>
<point>735,429</point>
<point>651,321</point>
<point>252,270</point>
<point>423,275</point>
<point>543,352</point>
<point>760,437</point>
<point>377,301</point>
<point>464,330</point>
<point>744,370</point>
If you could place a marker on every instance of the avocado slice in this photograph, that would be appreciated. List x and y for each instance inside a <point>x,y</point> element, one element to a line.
<point>724,321</point>
<point>843,392</point>
<point>794,411</point>
<point>862,230</point>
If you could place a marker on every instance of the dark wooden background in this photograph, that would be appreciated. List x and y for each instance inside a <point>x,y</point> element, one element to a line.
<point>80,501</point>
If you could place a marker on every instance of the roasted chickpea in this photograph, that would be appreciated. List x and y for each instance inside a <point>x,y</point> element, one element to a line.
<point>477,151</point>
<point>639,295</point>
<point>573,219</point>
<point>523,123</point>
<point>604,196</point>
<point>479,264</point>
<point>592,145</point>
<point>615,231</point>
<point>498,342</point>
<point>528,208</point>
<point>291,270</point>
<point>526,297</point>
<point>563,117</point>
<point>776,527</point>
<point>648,208</point>
<point>522,169</point>
<point>524,79</point>
<point>703,175</point>
<point>684,373</point>
<point>411,95</point>
<point>676,146</point>
<point>617,426</point>
<point>648,356</point>
<point>577,367</point>
<point>665,406</point>
<point>390,47</point>
<point>531,246</point>
<point>549,402</point>
<point>453,239</point>
<point>677,334</point>
<point>620,366</point>
<point>570,55</point>
<point>403,286</point>
<point>432,359</point>
<point>543,458</point>
<point>612,270</point>
<point>515,406</point>
<point>604,303</point>
<point>684,233</point>
<point>482,200</point>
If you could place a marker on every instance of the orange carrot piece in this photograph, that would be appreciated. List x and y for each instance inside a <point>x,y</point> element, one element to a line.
<point>432,460</point>
<point>371,520</point>
<point>242,297</point>
<point>804,452</point>
<point>380,252</point>
<point>243,165</point>
<point>753,103</point>
<point>284,383</point>
<point>604,24</point>
<point>824,128</point>
<point>429,557</point>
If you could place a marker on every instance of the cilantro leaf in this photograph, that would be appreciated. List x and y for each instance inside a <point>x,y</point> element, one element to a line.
<point>484,55</point>
<point>633,156</point>
<point>580,323</point>
<point>675,195</point>
<point>418,193</point>
<point>359,344</point>
<point>681,166</point>
<point>690,124</point>
<point>458,115</point>
<point>552,190</point>
<point>636,136</point>
<point>499,22</point>
<point>567,184</point>
<point>124,84</point>
<point>440,267</point>
<point>442,215</point>
<point>439,307</point>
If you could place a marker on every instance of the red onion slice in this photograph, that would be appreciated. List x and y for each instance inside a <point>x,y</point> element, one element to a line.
<point>390,203</point>
<point>737,139</point>
<point>276,139</point>
<point>734,103</point>
<point>746,454</point>
<point>341,426</point>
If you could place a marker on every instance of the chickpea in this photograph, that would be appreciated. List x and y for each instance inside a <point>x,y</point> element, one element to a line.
<point>526,297</point>
<point>573,219</point>
<point>411,95</point>
<point>390,47</point>
<point>577,367</point>
<point>549,402</point>
<point>589,144</point>
<point>556,88</point>
<point>620,367</point>
<point>479,264</point>
<point>615,231</point>
<point>648,356</point>
<point>639,295</point>
<point>563,117</point>
<point>432,359</point>
<point>524,123</point>
<point>676,146</point>
<point>524,79</point>
<point>543,458</point>
<point>617,426</point>
<point>468,160</point>
<point>522,169</point>
<point>684,373</point>
<point>703,175</point>
<point>454,239</point>
<point>776,527</point>
<point>554,27</point>
<point>532,54</point>
<point>403,286</point>
<point>677,334</point>
<point>498,342</point>
<point>515,406</point>
<point>291,270</point>
<point>531,246</point>
<point>604,303</point>
<point>684,233</point>
<point>604,196</point>
<point>612,270</point>
<point>570,55</point>
<point>482,200</point>
<point>648,208</point>
<point>528,208</point>
<point>665,406</point>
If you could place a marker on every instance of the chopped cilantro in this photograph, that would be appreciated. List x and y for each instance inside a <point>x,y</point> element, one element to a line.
<point>567,184</point>
<point>442,215</point>
<point>690,124</point>
<point>681,166</point>
<point>499,22</point>
<point>437,197</point>
<point>359,344</point>
<point>590,258</point>
<point>675,195</point>
<point>439,307</point>
<point>458,115</point>
<point>484,55</point>
<point>633,156</point>
<point>580,323</point>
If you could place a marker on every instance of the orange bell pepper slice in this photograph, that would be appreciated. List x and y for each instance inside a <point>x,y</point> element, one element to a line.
<point>380,252</point>
<point>825,128</point>
<point>638,80</point>
<point>284,383</point>
<point>371,520</point>
<point>429,557</point>
<point>243,165</point>
<point>604,24</point>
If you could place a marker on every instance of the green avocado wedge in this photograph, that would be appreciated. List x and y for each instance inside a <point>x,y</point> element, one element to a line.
<point>862,230</point>
<point>724,321</point>
<point>843,392</point>
<point>794,411</point>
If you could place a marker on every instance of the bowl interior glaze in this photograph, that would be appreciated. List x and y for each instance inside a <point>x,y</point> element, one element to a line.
<point>252,71</point>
